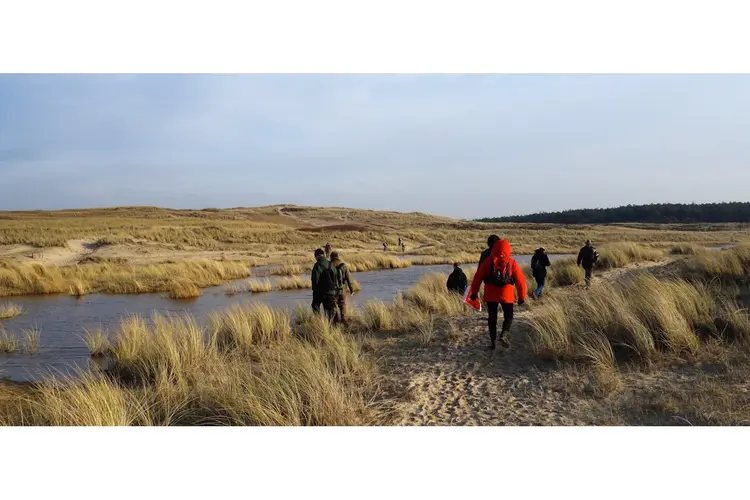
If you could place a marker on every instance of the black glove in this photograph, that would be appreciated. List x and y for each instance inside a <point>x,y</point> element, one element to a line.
<point>473,297</point>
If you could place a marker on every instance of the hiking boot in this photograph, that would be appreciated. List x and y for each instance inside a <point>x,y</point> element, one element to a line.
<point>490,347</point>
<point>504,342</point>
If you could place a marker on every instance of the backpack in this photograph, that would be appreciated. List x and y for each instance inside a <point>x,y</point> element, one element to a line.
<point>501,277</point>
<point>339,275</point>
<point>328,280</point>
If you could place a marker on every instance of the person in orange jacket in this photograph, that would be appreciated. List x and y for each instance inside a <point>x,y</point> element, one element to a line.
<point>500,273</point>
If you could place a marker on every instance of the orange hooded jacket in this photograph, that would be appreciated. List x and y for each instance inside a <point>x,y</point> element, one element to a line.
<point>499,256</point>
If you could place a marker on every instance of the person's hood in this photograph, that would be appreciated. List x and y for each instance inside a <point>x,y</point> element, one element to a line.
<point>501,251</point>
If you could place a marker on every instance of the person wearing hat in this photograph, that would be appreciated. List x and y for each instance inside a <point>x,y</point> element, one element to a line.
<point>344,281</point>
<point>539,264</point>
<point>324,284</point>
<point>587,257</point>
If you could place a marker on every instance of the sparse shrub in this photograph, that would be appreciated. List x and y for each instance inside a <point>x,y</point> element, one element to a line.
<point>97,342</point>
<point>10,310</point>
<point>183,289</point>
<point>8,342</point>
<point>31,340</point>
<point>293,283</point>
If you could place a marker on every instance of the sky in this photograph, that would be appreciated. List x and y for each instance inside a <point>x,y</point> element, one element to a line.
<point>465,146</point>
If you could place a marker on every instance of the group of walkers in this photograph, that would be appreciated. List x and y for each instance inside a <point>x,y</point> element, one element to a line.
<point>502,277</point>
<point>330,282</point>
<point>401,245</point>
<point>501,274</point>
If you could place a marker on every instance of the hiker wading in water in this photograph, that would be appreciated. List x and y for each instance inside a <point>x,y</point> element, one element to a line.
<point>344,281</point>
<point>323,276</point>
<point>500,274</point>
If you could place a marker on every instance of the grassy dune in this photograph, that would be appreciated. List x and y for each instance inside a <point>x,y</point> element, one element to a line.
<point>258,365</point>
<point>178,277</point>
<point>622,254</point>
<point>247,368</point>
<point>284,236</point>
<point>727,266</point>
<point>646,319</point>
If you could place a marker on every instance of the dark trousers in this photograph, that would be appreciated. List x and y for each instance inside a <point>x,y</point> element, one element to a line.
<point>588,271</point>
<point>492,309</point>
<point>341,306</point>
<point>540,283</point>
<point>328,302</point>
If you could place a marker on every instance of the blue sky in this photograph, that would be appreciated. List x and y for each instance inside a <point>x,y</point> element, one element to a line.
<point>457,145</point>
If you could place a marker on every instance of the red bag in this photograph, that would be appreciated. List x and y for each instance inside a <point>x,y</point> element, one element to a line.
<point>474,304</point>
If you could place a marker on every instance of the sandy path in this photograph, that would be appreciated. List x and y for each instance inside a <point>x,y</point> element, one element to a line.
<point>453,380</point>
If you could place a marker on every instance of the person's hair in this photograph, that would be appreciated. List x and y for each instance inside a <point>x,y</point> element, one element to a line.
<point>319,252</point>
<point>455,264</point>
<point>334,255</point>
<point>588,242</point>
<point>492,240</point>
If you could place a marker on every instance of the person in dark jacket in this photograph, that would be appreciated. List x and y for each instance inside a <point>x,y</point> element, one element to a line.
<point>323,284</point>
<point>457,281</point>
<point>587,257</point>
<point>490,243</point>
<point>344,282</point>
<point>539,264</point>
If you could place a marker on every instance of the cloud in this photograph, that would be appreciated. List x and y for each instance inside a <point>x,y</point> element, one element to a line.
<point>462,145</point>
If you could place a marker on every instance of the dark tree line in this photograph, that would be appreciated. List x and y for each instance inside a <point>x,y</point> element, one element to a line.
<point>660,213</point>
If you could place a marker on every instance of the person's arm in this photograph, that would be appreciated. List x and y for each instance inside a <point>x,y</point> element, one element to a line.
<point>520,283</point>
<point>580,257</point>
<point>547,262</point>
<point>462,280</point>
<point>315,276</point>
<point>484,269</point>
<point>347,278</point>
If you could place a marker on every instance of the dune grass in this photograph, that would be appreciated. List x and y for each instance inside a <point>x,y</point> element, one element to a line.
<point>364,262</point>
<point>564,272</point>
<point>37,279</point>
<point>242,327</point>
<point>636,319</point>
<point>287,270</point>
<point>432,260</point>
<point>727,266</point>
<point>78,288</point>
<point>183,289</point>
<point>10,310</point>
<point>97,342</point>
<point>252,285</point>
<point>31,337</point>
<point>8,342</point>
<point>293,283</point>
<point>687,249</point>
<point>246,368</point>
<point>622,254</point>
